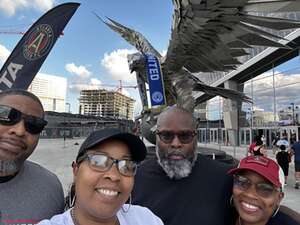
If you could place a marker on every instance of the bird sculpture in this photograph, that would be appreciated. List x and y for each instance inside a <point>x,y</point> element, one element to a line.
<point>207,36</point>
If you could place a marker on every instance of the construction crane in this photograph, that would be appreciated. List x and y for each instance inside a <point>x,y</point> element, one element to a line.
<point>119,87</point>
<point>11,32</point>
<point>19,29</point>
<point>19,32</point>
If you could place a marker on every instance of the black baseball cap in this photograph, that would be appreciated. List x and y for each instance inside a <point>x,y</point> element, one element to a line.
<point>135,144</point>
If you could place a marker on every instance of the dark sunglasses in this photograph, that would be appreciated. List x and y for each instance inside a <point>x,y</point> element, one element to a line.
<point>263,189</point>
<point>184,137</point>
<point>10,116</point>
<point>103,163</point>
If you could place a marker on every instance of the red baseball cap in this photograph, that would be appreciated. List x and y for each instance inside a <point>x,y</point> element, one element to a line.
<point>264,166</point>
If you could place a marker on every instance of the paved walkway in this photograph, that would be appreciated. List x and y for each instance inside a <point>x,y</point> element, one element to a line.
<point>57,156</point>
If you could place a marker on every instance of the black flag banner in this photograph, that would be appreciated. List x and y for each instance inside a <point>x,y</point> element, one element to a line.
<point>28,56</point>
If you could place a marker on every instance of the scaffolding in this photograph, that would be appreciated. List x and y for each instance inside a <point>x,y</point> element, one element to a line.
<point>104,103</point>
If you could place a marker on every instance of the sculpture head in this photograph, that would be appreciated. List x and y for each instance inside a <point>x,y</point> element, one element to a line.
<point>136,62</point>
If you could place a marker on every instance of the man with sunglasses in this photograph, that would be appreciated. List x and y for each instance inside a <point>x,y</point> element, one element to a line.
<point>180,186</point>
<point>28,192</point>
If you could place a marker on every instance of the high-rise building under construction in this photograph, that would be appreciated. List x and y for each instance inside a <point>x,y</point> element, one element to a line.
<point>106,103</point>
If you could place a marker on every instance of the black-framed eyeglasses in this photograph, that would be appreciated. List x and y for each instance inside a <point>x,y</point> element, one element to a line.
<point>185,136</point>
<point>263,189</point>
<point>102,163</point>
<point>10,116</point>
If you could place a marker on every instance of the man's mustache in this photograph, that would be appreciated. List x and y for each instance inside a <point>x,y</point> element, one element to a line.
<point>175,152</point>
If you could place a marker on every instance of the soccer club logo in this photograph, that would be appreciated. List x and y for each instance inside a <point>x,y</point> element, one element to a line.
<point>157,97</point>
<point>39,42</point>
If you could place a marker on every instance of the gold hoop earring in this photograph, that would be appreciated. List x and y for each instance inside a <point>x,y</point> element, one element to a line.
<point>129,204</point>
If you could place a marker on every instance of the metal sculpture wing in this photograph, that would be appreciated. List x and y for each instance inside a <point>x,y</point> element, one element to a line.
<point>207,36</point>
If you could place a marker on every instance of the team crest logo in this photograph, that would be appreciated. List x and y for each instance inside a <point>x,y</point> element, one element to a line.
<point>157,97</point>
<point>39,42</point>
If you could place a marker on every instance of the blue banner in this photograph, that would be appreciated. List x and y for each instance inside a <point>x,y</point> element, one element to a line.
<point>31,51</point>
<point>155,80</point>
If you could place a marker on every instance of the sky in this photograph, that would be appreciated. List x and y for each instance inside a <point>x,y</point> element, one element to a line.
<point>89,52</point>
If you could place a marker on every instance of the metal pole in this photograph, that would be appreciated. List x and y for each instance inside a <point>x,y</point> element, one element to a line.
<point>293,115</point>
<point>64,131</point>
<point>251,128</point>
<point>274,94</point>
<point>206,132</point>
<point>220,129</point>
<point>237,130</point>
<point>69,107</point>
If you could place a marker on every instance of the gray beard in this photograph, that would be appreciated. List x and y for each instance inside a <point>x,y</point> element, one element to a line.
<point>176,169</point>
<point>9,166</point>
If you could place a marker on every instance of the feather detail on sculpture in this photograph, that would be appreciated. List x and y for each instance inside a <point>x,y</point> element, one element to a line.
<point>208,36</point>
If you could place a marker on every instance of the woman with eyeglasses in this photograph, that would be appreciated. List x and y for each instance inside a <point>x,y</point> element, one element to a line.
<point>258,184</point>
<point>103,180</point>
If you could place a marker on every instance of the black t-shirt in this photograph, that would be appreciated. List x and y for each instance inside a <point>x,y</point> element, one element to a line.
<point>282,219</point>
<point>201,198</point>
<point>258,152</point>
<point>282,157</point>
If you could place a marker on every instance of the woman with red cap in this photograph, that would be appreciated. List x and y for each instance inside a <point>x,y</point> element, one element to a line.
<point>258,184</point>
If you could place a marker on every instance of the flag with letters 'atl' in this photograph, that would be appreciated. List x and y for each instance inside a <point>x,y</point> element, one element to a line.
<point>28,56</point>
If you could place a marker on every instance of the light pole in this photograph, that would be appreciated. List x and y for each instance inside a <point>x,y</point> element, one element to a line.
<point>293,111</point>
<point>69,105</point>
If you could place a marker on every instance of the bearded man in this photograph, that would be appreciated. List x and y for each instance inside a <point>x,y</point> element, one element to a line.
<point>179,186</point>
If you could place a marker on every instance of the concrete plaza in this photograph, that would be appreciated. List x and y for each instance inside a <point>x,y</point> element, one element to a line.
<point>57,156</point>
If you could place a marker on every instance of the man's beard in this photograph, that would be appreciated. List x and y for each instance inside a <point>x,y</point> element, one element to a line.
<point>176,169</point>
<point>10,167</point>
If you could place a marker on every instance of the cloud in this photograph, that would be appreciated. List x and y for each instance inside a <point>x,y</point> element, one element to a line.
<point>116,65</point>
<point>163,53</point>
<point>94,84</point>
<point>125,92</point>
<point>10,7</point>
<point>80,71</point>
<point>21,17</point>
<point>286,91</point>
<point>95,81</point>
<point>4,53</point>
